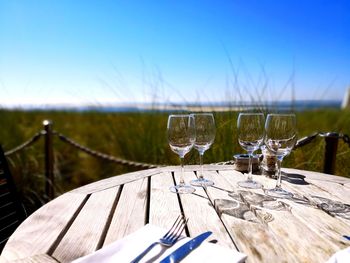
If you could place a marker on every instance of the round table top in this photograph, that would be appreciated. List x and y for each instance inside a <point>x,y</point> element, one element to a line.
<point>308,227</point>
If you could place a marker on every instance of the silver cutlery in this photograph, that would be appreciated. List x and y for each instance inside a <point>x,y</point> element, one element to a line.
<point>168,239</point>
<point>186,248</point>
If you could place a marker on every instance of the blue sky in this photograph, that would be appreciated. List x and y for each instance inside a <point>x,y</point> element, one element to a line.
<point>134,51</point>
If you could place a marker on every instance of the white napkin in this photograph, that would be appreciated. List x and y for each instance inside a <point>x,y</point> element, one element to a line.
<point>342,256</point>
<point>126,249</point>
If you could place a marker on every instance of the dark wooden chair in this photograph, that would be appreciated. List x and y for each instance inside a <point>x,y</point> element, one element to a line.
<point>12,212</point>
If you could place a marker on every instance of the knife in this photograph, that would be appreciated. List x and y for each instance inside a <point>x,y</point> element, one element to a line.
<point>186,248</point>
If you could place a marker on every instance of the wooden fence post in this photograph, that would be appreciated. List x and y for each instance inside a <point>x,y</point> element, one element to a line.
<point>330,153</point>
<point>49,175</point>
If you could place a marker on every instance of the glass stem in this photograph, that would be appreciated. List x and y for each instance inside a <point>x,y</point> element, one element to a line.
<point>279,173</point>
<point>250,166</point>
<point>182,181</point>
<point>201,165</point>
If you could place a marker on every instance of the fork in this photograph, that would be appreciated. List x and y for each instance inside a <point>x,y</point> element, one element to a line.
<point>168,239</point>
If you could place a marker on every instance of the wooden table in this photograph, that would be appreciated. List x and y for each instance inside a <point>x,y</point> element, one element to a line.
<point>88,218</point>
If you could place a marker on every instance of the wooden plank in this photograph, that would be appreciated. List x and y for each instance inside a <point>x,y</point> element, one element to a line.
<point>116,181</point>
<point>302,234</point>
<point>332,190</point>
<point>190,168</point>
<point>330,228</point>
<point>202,216</point>
<point>335,189</point>
<point>164,205</point>
<point>296,237</point>
<point>325,225</point>
<point>130,213</point>
<point>318,176</point>
<point>84,235</point>
<point>251,238</point>
<point>316,219</point>
<point>129,177</point>
<point>36,259</point>
<point>42,229</point>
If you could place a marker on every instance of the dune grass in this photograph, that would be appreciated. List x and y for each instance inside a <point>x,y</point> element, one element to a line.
<point>139,136</point>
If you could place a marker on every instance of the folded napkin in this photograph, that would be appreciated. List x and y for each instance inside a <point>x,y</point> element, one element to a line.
<point>342,256</point>
<point>126,249</point>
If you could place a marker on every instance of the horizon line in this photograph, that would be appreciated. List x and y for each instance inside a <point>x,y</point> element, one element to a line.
<point>195,106</point>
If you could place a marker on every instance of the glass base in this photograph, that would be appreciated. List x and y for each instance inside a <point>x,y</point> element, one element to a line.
<point>278,192</point>
<point>202,182</point>
<point>182,189</point>
<point>249,184</point>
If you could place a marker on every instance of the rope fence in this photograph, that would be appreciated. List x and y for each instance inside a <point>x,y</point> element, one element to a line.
<point>25,144</point>
<point>306,140</point>
<point>104,156</point>
<point>331,140</point>
<point>82,148</point>
<point>331,148</point>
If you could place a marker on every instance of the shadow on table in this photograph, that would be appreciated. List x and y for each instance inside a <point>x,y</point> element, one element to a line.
<point>202,196</point>
<point>251,206</point>
<point>331,207</point>
<point>221,189</point>
<point>294,178</point>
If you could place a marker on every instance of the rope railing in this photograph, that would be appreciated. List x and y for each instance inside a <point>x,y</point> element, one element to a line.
<point>308,139</point>
<point>331,147</point>
<point>85,149</point>
<point>48,134</point>
<point>25,144</point>
<point>103,155</point>
<point>331,139</point>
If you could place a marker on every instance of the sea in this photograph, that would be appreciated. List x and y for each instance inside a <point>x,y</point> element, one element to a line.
<point>300,105</point>
<point>297,105</point>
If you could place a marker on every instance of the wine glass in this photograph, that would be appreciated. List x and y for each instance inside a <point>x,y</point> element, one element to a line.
<point>205,135</point>
<point>250,137</point>
<point>181,137</point>
<point>280,138</point>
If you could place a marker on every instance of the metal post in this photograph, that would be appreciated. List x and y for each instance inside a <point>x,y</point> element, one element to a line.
<point>330,152</point>
<point>49,176</point>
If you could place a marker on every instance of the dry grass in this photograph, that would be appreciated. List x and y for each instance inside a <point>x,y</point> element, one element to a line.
<point>139,137</point>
